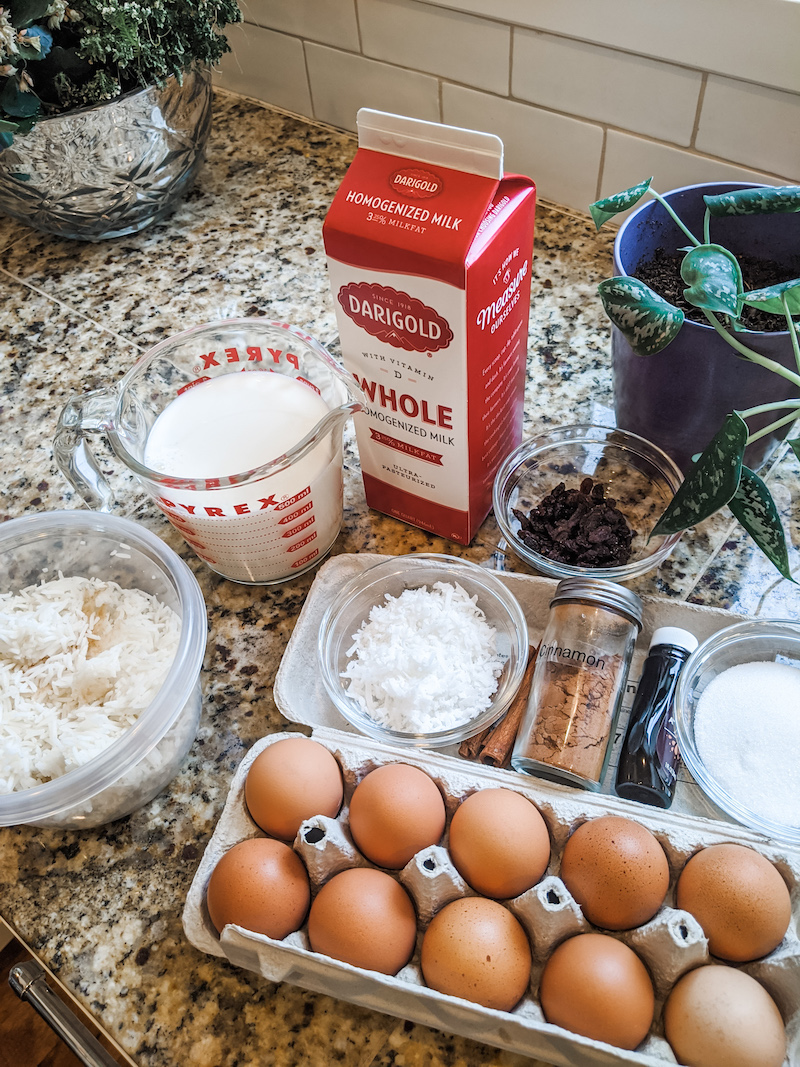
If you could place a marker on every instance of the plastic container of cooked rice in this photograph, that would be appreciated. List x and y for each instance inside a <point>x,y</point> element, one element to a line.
<point>102,635</point>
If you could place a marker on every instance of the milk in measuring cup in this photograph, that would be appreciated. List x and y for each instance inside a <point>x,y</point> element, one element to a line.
<point>264,530</point>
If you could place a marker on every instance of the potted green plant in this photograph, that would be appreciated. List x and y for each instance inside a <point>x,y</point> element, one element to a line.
<point>104,108</point>
<point>714,284</point>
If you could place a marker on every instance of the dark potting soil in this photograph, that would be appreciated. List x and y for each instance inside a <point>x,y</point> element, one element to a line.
<point>663,274</point>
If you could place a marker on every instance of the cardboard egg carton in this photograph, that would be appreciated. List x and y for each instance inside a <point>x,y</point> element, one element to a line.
<point>670,944</point>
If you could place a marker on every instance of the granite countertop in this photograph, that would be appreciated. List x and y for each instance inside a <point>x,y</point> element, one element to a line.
<point>102,908</point>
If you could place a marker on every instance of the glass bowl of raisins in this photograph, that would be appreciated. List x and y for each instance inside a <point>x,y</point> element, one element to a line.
<point>583,500</point>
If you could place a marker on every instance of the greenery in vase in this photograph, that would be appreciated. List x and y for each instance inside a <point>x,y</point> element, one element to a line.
<point>55,57</point>
<point>714,284</point>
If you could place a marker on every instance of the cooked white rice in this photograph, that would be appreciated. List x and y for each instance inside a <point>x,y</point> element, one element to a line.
<point>80,658</point>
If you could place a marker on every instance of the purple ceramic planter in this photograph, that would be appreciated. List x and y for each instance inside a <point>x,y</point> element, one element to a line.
<point>679,397</point>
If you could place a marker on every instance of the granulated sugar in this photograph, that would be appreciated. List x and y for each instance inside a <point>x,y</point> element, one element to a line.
<point>747,732</point>
<point>425,660</point>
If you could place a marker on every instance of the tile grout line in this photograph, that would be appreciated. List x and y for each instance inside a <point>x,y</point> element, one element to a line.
<point>68,307</point>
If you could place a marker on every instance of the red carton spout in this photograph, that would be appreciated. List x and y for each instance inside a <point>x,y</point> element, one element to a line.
<point>429,255</point>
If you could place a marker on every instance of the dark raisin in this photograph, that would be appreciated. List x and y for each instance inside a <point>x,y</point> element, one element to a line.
<point>582,527</point>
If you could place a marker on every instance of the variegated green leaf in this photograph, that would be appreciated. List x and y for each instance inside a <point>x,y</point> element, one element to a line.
<point>646,320</point>
<point>17,103</point>
<point>767,200</point>
<point>712,481</point>
<point>795,446</point>
<point>769,299</point>
<point>603,210</point>
<point>714,278</point>
<point>753,506</point>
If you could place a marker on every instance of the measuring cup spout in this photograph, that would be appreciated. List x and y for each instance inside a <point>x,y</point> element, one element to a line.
<point>81,416</point>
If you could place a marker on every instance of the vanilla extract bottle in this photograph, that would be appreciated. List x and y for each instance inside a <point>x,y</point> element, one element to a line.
<point>648,763</point>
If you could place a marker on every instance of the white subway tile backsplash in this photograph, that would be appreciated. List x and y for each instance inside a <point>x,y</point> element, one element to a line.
<point>629,160</point>
<point>751,124</point>
<point>561,154</point>
<point>341,83</point>
<point>432,39</point>
<point>639,94</point>
<point>267,66</point>
<point>441,60</point>
<point>328,21</point>
<point>735,37</point>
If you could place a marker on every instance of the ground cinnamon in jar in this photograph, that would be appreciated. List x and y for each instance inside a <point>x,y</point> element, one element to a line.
<point>580,676</point>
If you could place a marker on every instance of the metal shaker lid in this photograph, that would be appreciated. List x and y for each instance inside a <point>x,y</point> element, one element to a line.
<point>601,591</point>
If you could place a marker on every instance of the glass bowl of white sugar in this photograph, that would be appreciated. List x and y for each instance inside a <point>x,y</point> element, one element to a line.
<point>737,716</point>
<point>423,650</point>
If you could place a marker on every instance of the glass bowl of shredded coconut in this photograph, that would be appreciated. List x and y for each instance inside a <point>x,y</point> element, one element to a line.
<point>102,635</point>
<point>737,716</point>
<point>423,650</point>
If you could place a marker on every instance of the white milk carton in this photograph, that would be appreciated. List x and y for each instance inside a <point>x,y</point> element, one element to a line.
<point>429,254</point>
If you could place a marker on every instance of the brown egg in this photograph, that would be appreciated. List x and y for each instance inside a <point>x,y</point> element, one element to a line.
<point>499,843</point>
<point>395,811</point>
<point>260,884</point>
<point>717,1016</point>
<point>291,781</point>
<point>366,918</point>
<point>739,899</point>
<point>596,986</point>
<point>474,948</point>
<point>617,872</point>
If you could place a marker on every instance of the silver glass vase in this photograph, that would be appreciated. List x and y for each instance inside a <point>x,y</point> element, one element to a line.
<point>111,169</point>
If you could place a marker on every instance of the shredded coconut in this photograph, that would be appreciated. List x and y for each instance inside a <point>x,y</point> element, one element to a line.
<point>80,658</point>
<point>747,732</point>
<point>424,661</point>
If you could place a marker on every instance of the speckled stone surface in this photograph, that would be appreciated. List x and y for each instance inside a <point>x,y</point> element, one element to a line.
<point>102,908</point>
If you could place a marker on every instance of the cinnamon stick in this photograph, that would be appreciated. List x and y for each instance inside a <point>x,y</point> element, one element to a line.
<point>471,746</point>
<point>497,746</point>
<point>494,744</point>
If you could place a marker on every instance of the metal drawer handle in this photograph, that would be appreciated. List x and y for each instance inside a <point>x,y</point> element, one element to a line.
<point>28,982</point>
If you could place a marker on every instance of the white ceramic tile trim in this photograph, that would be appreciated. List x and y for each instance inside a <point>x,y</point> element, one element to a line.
<point>765,127</point>
<point>722,37</point>
<point>615,88</point>
<point>337,94</point>
<point>332,22</point>
<point>428,38</point>
<point>562,154</point>
<point>267,65</point>
<point>628,159</point>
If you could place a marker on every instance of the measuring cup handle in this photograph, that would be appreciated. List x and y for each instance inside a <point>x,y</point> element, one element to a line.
<point>81,416</point>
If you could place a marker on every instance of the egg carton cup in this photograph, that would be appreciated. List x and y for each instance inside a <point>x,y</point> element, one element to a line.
<point>670,944</point>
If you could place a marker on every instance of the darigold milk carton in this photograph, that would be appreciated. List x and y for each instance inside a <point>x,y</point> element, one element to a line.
<point>429,254</point>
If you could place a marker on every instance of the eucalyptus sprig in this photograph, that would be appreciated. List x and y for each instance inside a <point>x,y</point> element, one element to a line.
<point>714,283</point>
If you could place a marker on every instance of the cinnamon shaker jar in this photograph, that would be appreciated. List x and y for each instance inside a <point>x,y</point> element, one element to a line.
<point>578,683</point>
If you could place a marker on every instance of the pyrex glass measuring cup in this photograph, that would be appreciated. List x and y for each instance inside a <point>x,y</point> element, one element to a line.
<point>235,430</point>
